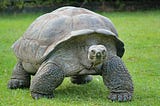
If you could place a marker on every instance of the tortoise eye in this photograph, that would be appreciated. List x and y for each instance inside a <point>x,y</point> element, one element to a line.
<point>103,52</point>
<point>93,51</point>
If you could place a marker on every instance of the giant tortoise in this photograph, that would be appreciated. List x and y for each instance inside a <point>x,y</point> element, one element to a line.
<point>70,42</point>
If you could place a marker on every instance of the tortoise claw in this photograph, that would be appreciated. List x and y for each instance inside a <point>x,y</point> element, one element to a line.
<point>39,95</point>
<point>121,97</point>
<point>16,83</point>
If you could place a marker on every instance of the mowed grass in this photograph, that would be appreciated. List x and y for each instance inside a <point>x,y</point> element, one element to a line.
<point>141,35</point>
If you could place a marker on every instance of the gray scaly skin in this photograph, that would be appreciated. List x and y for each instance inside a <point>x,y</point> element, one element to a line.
<point>48,77</point>
<point>117,79</point>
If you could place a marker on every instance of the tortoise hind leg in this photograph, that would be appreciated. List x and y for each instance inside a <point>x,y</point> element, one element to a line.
<point>82,79</point>
<point>20,78</point>
<point>48,77</point>
<point>117,79</point>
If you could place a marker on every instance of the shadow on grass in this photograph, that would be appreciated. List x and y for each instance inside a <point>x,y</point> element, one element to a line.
<point>85,92</point>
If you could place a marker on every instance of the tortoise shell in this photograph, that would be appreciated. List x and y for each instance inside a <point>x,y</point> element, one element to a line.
<point>51,29</point>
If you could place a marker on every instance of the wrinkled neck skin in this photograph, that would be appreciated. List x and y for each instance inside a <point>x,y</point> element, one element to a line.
<point>84,60</point>
<point>83,56</point>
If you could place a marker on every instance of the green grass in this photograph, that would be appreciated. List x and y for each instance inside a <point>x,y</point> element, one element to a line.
<point>141,35</point>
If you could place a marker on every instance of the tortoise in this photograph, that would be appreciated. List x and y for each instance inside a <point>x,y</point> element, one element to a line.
<point>70,42</point>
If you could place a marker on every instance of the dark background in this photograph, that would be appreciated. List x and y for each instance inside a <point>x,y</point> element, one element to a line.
<point>12,6</point>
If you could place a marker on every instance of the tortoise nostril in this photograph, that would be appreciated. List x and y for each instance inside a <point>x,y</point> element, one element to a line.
<point>98,54</point>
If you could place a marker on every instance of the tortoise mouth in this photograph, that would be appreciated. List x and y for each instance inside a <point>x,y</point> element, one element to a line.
<point>97,60</point>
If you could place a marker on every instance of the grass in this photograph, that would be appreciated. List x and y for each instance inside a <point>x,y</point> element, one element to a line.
<point>141,35</point>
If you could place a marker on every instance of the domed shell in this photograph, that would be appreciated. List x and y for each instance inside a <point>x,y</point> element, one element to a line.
<point>51,29</point>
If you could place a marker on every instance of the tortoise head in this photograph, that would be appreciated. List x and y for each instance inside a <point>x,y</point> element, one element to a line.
<point>97,54</point>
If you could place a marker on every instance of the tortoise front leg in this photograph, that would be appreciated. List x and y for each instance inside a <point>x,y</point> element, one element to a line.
<point>48,77</point>
<point>117,79</point>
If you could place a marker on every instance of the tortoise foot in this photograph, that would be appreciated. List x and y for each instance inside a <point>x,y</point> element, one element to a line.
<point>39,95</point>
<point>16,83</point>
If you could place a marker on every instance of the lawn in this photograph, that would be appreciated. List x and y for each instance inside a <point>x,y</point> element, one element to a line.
<point>141,35</point>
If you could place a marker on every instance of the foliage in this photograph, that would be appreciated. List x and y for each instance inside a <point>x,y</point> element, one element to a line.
<point>140,33</point>
<point>4,3</point>
<point>22,3</point>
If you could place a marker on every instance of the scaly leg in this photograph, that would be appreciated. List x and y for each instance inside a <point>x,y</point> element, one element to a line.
<point>48,77</point>
<point>117,79</point>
